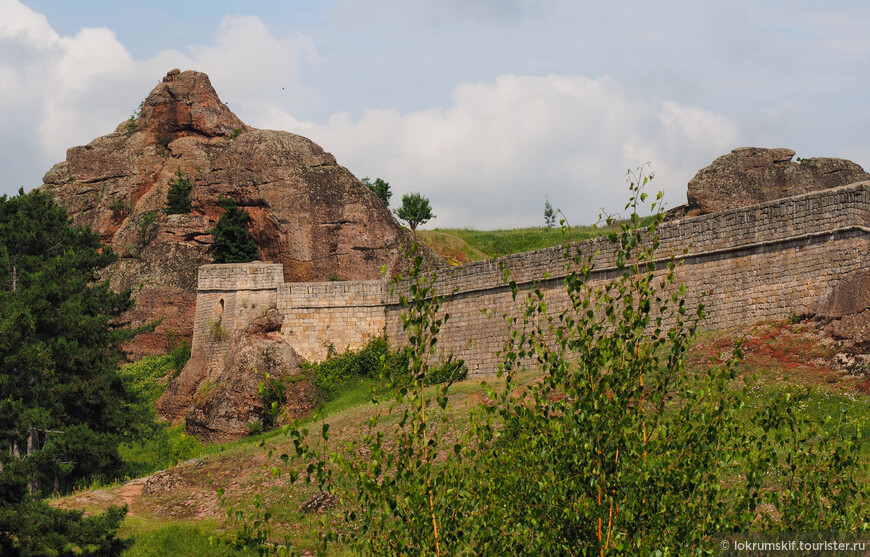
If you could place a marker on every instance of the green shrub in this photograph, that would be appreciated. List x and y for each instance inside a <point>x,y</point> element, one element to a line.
<point>179,352</point>
<point>178,199</point>
<point>218,331</point>
<point>179,355</point>
<point>119,206</point>
<point>448,372</point>
<point>272,390</point>
<point>163,145</point>
<point>164,448</point>
<point>143,377</point>
<point>232,240</point>
<point>147,230</point>
<point>373,361</point>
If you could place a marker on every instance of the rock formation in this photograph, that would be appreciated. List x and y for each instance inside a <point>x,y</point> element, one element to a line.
<point>750,175</point>
<point>222,409</point>
<point>847,312</point>
<point>307,212</point>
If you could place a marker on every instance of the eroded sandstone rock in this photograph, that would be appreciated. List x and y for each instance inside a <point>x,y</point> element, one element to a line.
<point>847,311</point>
<point>307,211</point>
<point>750,175</point>
<point>224,406</point>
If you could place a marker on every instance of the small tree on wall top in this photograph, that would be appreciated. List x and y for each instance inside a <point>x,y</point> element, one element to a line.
<point>232,241</point>
<point>415,210</point>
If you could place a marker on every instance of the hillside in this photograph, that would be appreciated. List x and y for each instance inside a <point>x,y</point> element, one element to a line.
<point>179,507</point>
<point>464,245</point>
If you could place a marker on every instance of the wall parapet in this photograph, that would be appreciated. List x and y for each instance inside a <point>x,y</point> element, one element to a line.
<point>780,221</point>
<point>240,276</point>
<point>364,293</point>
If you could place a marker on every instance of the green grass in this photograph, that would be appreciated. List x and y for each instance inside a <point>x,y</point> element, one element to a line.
<point>836,413</point>
<point>463,245</point>
<point>179,539</point>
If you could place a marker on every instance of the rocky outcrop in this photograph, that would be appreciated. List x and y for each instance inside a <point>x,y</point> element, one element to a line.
<point>307,211</point>
<point>847,312</point>
<point>224,406</point>
<point>750,175</point>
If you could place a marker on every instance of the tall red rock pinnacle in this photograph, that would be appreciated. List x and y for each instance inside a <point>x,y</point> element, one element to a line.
<point>307,212</point>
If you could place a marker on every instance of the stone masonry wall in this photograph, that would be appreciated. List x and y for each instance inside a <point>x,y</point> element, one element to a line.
<point>229,297</point>
<point>344,314</point>
<point>768,261</point>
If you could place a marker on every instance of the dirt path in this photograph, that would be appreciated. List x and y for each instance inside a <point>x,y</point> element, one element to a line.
<point>130,491</point>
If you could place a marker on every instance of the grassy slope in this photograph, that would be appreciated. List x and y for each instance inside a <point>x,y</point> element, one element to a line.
<point>183,517</point>
<point>462,245</point>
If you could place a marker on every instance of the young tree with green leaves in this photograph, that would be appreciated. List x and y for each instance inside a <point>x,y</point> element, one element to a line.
<point>415,210</point>
<point>232,240</point>
<point>380,188</point>
<point>549,214</point>
<point>63,406</point>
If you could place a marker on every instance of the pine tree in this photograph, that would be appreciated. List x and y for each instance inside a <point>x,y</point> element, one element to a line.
<point>63,407</point>
<point>549,214</point>
<point>232,241</point>
<point>178,199</point>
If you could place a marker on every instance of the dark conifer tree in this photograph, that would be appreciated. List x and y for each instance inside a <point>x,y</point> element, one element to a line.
<point>178,199</point>
<point>63,407</point>
<point>232,241</point>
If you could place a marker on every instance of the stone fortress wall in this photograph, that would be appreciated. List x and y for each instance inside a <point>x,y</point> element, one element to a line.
<point>767,261</point>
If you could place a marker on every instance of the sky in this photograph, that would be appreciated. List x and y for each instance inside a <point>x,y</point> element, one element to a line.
<point>487,107</point>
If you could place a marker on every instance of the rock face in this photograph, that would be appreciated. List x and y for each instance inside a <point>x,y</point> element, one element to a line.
<point>307,212</point>
<point>222,409</point>
<point>750,175</point>
<point>847,311</point>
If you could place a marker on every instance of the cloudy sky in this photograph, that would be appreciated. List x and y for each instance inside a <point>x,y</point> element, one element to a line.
<point>488,107</point>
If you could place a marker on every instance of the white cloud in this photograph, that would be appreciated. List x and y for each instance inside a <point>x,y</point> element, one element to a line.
<point>437,12</point>
<point>486,160</point>
<point>491,157</point>
<point>60,91</point>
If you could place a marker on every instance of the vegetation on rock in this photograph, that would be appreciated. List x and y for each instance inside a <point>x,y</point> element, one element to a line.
<point>178,199</point>
<point>232,240</point>
<point>380,188</point>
